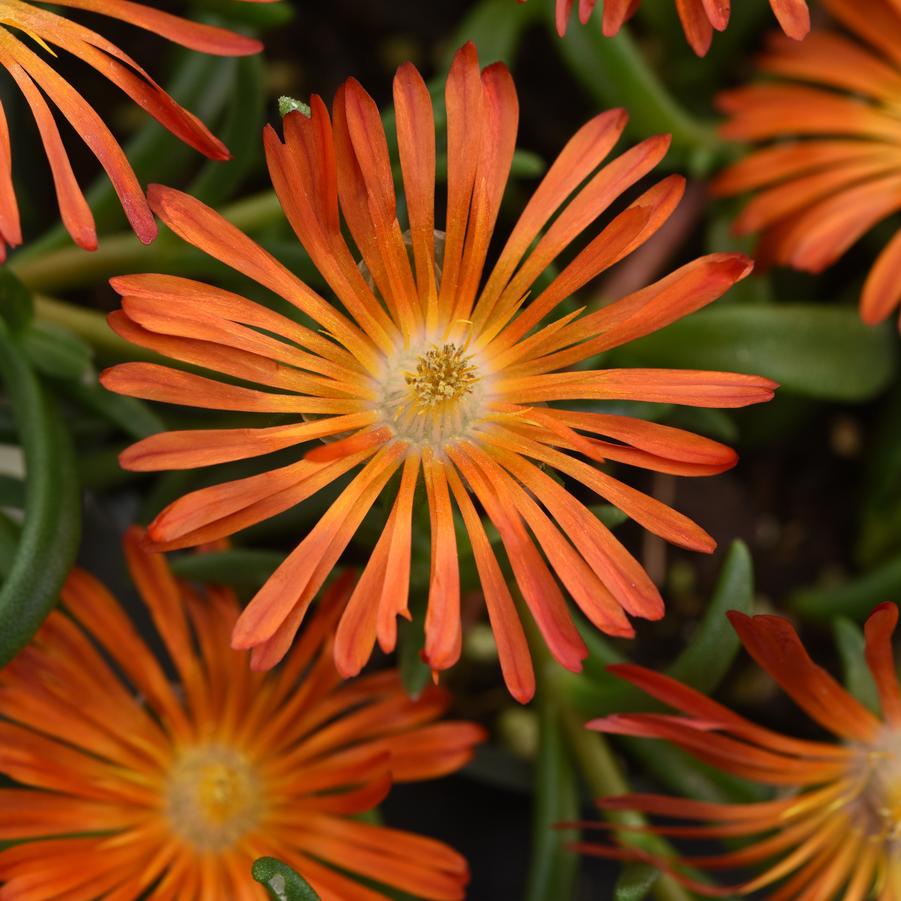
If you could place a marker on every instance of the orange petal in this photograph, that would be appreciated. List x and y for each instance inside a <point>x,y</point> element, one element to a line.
<point>206,447</point>
<point>150,381</point>
<point>395,586</point>
<point>74,210</point>
<point>500,120</point>
<point>201,226</point>
<point>775,645</point>
<point>675,386</point>
<point>275,600</point>
<point>196,36</point>
<point>541,593</point>
<point>695,24</point>
<point>879,628</point>
<point>793,16</point>
<point>619,571</point>
<point>10,227</point>
<point>96,135</point>
<point>512,647</point>
<point>464,100</point>
<point>882,289</point>
<point>416,147</point>
<point>443,634</point>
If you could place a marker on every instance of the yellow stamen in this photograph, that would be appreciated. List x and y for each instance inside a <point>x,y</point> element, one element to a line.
<point>33,35</point>
<point>213,797</point>
<point>442,374</point>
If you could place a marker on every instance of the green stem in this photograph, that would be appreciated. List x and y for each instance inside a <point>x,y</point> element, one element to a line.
<point>553,867</point>
<point>90,326</point>
<point>603,776</point>
<point>593,758</point>
<point>615,73</point>
<point>71,267</point>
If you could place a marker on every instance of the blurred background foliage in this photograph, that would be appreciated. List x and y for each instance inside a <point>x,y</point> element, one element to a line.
<point>815,501</point>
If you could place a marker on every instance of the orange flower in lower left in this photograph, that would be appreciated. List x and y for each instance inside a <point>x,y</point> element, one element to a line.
<point>28,36</point>
<point>126,783</point>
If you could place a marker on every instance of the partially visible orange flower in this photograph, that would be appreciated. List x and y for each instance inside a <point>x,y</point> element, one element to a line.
<point>28,35</point>
<point>700,18</point>
<point>832,830</point>
<point>835,171</point>
<point>430,372</point>
<point>128,783</point>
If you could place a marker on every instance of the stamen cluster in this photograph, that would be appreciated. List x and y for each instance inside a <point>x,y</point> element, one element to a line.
<point>442,374</point>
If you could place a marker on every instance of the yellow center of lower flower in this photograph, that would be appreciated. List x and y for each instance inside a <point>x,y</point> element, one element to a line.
<point>213,797</point>
<point>432,393</point>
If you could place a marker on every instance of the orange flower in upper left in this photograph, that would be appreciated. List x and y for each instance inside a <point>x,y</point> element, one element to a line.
<point>28,35</point>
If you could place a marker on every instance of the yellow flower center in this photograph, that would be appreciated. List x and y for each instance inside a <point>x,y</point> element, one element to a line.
<point>443,374</point>
<point>432,393</point>
<point>213,797</point>
<point>878,807</point>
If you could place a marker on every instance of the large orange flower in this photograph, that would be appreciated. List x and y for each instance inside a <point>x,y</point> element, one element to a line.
<point>431,372</point>
<point>699,17</point>
<point>832,831</point>
<point>23,25</point>
<point>127,782</point>
<point>836,169</point>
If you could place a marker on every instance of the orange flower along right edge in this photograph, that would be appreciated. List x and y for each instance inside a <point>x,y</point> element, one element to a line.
<point>700,18</point>
<point>831,168</point>
<point>832,829</point>
<point>450,380</point>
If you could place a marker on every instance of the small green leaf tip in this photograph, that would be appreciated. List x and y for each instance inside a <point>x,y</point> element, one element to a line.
<point>282,883</point>
<point>290,105</point>
<point>635,882</point>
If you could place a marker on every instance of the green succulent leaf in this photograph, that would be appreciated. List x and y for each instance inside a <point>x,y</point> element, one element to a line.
<point>635,882</point>
<point>703,663</point>
<point>857,676</point>
<point>414,672</point>
<point>16,304</point>
<point>855,598</point>
<point>260,15</point>
<point>292,105</point>
<point>714,644</point>
<point>239,566</point>
<point>240,132</point>
<point>52,526</point>
<point>133,417</point>
<point>811,350</point>
<point>281,882</point>
<point>552,869</point>
<point>495,27</point>
<point>55,351</point>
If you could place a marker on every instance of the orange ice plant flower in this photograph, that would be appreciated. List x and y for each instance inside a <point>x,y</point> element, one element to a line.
<point>700,18</point>
<point>832,829</point>
<point>432,373</point>
<point>834,171</point>
<point>28,36</point>
<point>126,783</point>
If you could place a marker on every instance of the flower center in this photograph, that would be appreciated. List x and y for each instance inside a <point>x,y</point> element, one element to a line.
<point>443,374</point>
<point>432,394</point>
<point>879,804</point>
<point>213,797</point>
